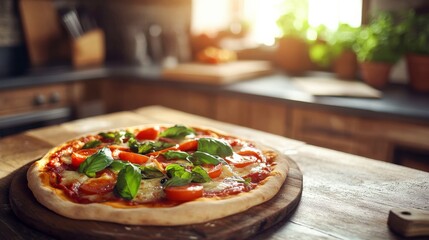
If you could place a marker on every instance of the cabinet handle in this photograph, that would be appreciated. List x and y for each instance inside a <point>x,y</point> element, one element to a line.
<point>39,99</point>
<point>55,97</point>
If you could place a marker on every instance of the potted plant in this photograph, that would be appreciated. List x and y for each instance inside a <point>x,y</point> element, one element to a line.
<point>416,42</point>
<point>377,48</point>
<point>336,51</point>
<point>292,47</point>
<point>345,60</point>
<point>320,50</point>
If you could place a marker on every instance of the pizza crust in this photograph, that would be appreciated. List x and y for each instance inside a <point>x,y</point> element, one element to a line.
<point>198,211</point>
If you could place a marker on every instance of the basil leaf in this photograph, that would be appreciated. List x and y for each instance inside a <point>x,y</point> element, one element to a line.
<point>118,137</point>
<point>175,155</point>
<point>117,165</point>
<point>178,176</point>
<point>109,135</point>
<point>128,182</point>
<point>200,175</point>
<point>148,146</point>
<point>96,162</point>
<point>150,172</point>
<point>179,181</point>
<point>91,144</point>
<point>200,158</point>
<point>215,147</point>
<point>159,145</point>
<point>146,171</point>
<point>137,147</point>
<point>178,131</point>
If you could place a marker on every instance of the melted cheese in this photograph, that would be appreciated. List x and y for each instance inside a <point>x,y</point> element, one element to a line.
<point>252,168</point>
<point>66,159</point>
<point>150,190</point>
<point>70,177</point>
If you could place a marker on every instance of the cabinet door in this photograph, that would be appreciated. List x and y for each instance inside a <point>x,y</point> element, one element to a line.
<point>341,132</point>
<point>263,115</point>
<point>20,100</point>
<point>131,95</point>
<point>323,129</point>
<point>233,109</point>
<point>269,117</point>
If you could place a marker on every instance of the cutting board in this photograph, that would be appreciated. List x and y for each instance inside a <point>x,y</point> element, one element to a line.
<point>238,226</point>
<point>217,74</point>
<point>327,86</point>
<point>45,39</point>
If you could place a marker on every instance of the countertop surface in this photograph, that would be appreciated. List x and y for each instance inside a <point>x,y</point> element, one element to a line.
<point>343,197</point>
<point>397,101</point>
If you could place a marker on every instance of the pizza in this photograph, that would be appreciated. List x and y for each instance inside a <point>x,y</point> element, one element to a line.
<point>159,175</point>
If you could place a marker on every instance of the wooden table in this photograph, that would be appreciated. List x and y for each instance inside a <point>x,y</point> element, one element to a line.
<point>344,196</point>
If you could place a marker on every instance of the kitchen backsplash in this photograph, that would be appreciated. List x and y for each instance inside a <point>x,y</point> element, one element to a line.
<point>144,31</point>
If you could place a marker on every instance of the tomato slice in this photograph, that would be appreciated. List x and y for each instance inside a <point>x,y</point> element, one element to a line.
<point>102,184</point>
<point>81,155</point>
<point>215,171</point>
<point>250,153</point>
<point>189,146</point>
<point>133,157</point>
<point>184,193</point>
<point>148,134</point>
<point>243,159</point>
<point>119,147</point>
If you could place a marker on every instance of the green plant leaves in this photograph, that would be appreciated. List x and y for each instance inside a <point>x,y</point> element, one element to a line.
<point>180,176</point>
<point>148,146</point>
<point>96,162</point>
<point>178,131</point>
<point>200,158</point>
<point>169,155</point>
<point>214,147</point>
<point>128,182</point>
<point>91,144</point>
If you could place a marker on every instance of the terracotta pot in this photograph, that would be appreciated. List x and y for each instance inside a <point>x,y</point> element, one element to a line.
<point>292,55</point>
<point>345,65</point>
<point>418,72</point>
<point>376,74</point>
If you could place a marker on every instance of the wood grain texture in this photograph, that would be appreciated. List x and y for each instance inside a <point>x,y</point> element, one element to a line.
<point>16,151</point>
<point>349,197</point>
<point>238,226</point>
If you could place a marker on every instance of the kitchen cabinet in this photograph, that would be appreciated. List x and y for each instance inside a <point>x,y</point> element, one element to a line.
<point>338,131</point>
<point>268,116</point>
<point>385,139</point>
<point>20,100</point>
<point>28,107</point>
<point>375,136</point>
<point>127,95</point>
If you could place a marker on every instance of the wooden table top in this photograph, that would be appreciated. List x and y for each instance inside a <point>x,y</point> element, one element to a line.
<point>344,196</point>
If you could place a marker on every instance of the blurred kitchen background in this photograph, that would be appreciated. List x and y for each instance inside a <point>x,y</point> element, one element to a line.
<point>351,75</point>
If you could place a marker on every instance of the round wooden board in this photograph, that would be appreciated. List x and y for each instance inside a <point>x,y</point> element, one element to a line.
<point>238,226</point>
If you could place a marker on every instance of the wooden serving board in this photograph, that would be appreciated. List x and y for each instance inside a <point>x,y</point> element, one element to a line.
<point>238,226</point>
<point>217,74</point>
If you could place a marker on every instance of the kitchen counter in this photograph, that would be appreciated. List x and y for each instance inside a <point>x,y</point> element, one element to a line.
<point>397,101</point>
<point>343,196</point>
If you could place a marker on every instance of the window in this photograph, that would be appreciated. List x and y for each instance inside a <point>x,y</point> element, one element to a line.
<point>213,16</point>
